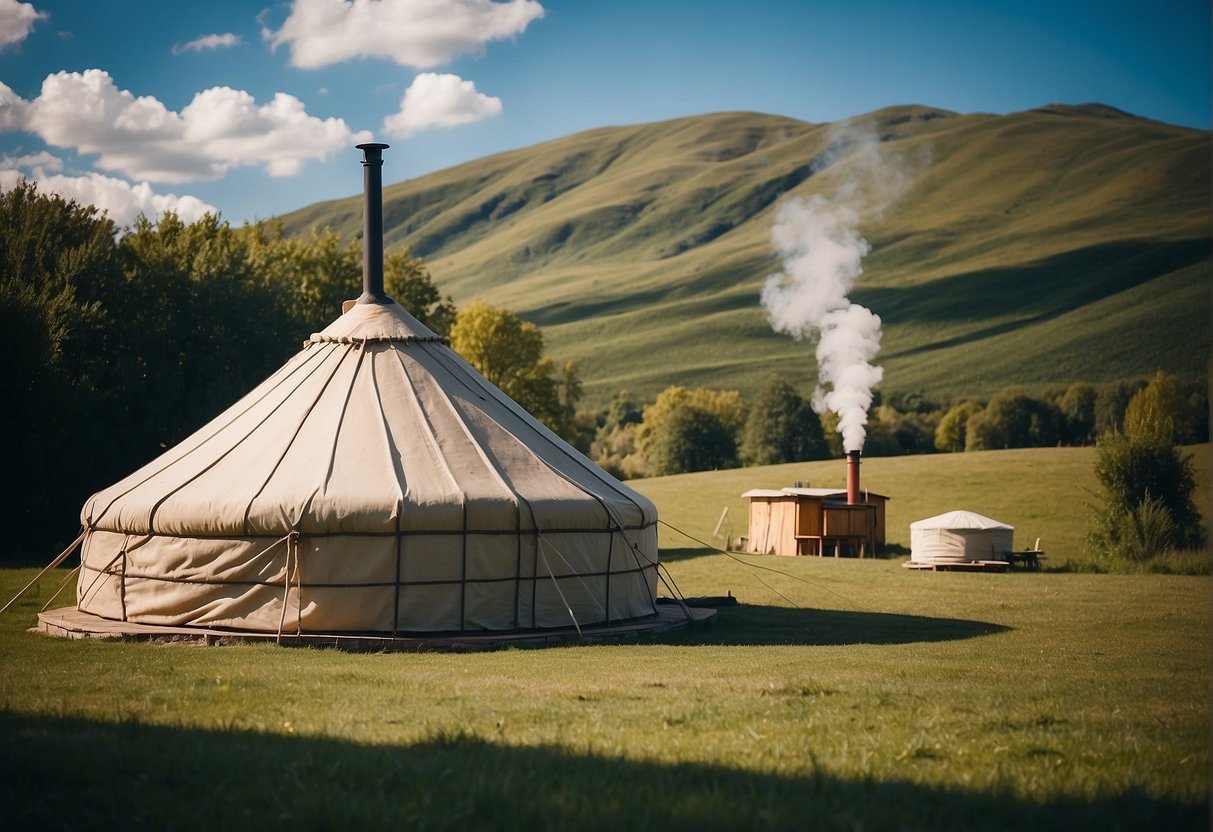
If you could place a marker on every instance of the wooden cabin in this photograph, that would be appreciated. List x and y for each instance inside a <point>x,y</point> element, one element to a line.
<point>815,521</point>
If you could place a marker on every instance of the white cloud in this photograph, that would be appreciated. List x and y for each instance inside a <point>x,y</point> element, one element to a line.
<point>17,21</point>
<point>41,159</point>
<point>416,33</point>
<point>219,130</point>
<point>12,108</point>
<point>123,201</point>
<point>208,42</point>
<point>434,100</point>
<point>235,131</point>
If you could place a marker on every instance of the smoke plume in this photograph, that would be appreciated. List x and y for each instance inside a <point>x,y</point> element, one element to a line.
<point>822,251</point>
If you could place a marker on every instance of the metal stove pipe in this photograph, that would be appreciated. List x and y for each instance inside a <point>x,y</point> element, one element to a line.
<point>372,224</point>
<point>853,477</point>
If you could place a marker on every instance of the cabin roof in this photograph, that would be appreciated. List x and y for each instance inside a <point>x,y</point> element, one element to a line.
<point>821,493</point>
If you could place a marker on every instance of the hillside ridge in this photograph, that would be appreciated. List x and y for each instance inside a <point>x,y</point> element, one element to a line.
<point>1063,243</point>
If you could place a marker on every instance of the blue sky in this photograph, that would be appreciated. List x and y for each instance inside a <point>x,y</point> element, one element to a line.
<point>254,109</point>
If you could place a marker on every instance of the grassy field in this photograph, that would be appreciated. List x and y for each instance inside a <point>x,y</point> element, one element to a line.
<point>840,694</point>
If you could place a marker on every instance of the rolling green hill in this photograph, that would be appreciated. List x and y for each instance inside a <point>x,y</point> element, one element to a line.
<point>1049,246</point>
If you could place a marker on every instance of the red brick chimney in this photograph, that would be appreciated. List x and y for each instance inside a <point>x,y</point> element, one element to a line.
<point>853,477</point>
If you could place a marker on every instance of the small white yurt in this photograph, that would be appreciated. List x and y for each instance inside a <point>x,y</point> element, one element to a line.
<point>959,537</point>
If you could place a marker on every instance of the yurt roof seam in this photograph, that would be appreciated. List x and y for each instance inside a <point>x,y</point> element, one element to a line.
<point>431,437</point>
<point>345,407</point>
<point>287,447</point>
<point>489,464</point>
<point>514,408</point>
<point>151,516</point>
<point>186,451</point>
<point>393,451</point>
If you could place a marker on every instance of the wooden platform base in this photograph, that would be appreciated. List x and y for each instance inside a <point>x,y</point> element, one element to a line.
<point>958,566</point>
<point>69,622</point>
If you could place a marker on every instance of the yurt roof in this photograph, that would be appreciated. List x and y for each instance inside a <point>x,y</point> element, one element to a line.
<point>793,491</point>
<point>959,519</point>
<point>375,426</point>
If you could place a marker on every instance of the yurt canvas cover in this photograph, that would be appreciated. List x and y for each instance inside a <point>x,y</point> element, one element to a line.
<point>959,536</point>
<point>376,482</point>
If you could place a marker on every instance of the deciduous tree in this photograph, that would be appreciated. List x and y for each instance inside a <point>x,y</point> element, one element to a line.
<point>58,268</point>
<point>951,433</point>
<point>1013,419</point>
<point>691,430</point>
<point>508,351</point>
<point>1147,483</point>
<point>781,427</point>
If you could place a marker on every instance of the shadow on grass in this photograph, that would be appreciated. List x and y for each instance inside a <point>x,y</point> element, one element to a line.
<point>686,553</point>
<point>753,625</point>
<point>60,773</point>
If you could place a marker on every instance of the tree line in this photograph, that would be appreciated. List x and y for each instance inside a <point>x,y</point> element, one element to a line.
<point>686,430</point>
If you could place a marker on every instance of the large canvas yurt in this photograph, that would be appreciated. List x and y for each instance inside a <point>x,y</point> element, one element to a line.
<point>375,483</point>
<point>959,537</point>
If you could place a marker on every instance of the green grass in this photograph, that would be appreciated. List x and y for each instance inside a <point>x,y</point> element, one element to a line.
<point>838,693</point>
<point>1035,248</point>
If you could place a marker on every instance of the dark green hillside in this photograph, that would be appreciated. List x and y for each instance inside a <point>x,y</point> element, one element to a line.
<point>1054,245</point>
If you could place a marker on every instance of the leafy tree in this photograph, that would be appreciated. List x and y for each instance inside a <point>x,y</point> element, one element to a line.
<point>668,435</point>
<point>1013,419</point>
<point>615,446</point>
<point>893,431</point>
<point>725,405</point>
<point>951,433</point>
<point>509,353</point>
<point>201,326</point>
<point>317,271</point>
<point>622,411</point>
<point>690,439</point>
<point>914,402</point>
<point>1163,399</point>
<point>1110,404</point>
<point>1077,406</point>
<point>781,427</point>
<point>1146,487</point>
<point>1198,402</point>
<point>58,268</point>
